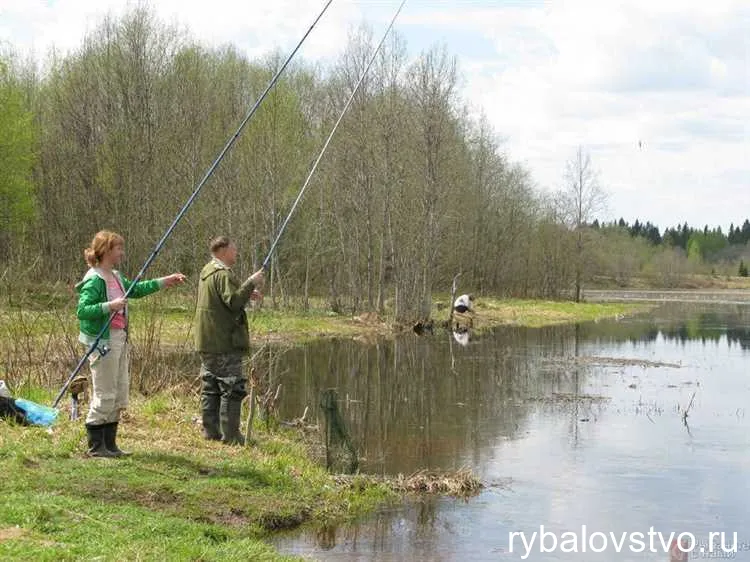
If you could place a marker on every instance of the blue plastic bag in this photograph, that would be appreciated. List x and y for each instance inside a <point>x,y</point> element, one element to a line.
<point>36,413</point>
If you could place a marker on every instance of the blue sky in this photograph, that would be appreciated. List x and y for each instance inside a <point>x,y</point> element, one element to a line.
<point>548,75</point>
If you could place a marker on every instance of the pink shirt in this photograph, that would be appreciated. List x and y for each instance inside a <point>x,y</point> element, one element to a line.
<point>115,291</point>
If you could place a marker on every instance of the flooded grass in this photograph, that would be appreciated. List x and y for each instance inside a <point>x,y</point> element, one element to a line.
<point>568,398</point>
<point>614,362</point>
<point>462,483</point>
<point>178,495</point>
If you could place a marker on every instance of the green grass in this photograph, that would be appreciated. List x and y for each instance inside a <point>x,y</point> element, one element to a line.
<point>178,497</point>
<point>64,527</point>
<point>536,313</point>
<point>302,327</point>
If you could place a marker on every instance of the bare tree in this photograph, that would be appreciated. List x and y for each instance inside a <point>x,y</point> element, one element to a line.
<point>581,198</point>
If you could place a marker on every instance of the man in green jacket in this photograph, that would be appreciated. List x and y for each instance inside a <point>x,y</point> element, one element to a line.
<point>222,340</point>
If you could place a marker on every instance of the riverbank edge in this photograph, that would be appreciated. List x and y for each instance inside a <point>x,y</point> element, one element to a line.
<point>490,313</point>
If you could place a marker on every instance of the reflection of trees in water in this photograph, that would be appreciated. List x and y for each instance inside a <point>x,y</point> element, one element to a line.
<point>421,402</point>
<point>408,410</point>
<point>418,521</point>
<point>708,327</point>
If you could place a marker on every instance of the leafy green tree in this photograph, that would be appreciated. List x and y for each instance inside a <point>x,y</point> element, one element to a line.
<point>17,158</point>
<point>694,249</point>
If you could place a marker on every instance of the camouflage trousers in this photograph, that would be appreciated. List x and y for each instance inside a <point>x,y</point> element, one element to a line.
<point>222,389</point>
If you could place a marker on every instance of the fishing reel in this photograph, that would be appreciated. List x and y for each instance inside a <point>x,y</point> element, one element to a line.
<point>79,386</point>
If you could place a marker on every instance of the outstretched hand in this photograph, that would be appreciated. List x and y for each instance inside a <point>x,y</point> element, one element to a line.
<point>174,279</point>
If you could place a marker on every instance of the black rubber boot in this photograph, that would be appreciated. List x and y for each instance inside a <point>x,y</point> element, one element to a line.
<point>210,404</point>
<point>110,440</point>
<point>97,445</point>
<point>230,422</point>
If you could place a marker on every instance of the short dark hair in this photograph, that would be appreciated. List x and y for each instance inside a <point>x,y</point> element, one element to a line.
<point>218,243</point>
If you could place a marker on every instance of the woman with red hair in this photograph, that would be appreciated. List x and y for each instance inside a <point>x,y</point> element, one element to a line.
<point>101,293</point>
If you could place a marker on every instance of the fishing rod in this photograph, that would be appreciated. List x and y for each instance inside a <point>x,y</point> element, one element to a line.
<point>330,136</point>
<point>189,202</point>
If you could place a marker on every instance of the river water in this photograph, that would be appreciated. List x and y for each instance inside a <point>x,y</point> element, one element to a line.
<point>577,431</point>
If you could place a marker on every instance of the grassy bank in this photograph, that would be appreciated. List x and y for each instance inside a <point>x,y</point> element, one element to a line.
<point>38,336</point>
<point>178,497</point>
<point>166,319</point>
<point>534,313</point>
<point>489,313</point>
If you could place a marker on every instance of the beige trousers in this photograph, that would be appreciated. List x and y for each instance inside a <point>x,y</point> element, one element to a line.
<point>110,379</point>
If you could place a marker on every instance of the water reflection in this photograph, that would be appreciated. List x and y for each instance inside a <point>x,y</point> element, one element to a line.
<point>461,337</point>
<point>712,324</point>
<point>406,411</point>
<point>585,422</point>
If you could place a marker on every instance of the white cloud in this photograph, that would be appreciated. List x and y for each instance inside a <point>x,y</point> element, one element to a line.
<point>257,27</point>
<point>674,75</point>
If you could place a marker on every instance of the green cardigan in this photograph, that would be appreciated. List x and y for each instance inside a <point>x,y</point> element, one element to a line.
<point>220,318</point>
<point>93,310</point>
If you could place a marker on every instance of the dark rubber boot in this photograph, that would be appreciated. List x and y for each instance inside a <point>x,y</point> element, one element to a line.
<point>230,422</point>
<point>110,440</point>
<point>210,413</point>
<point>97,446</point>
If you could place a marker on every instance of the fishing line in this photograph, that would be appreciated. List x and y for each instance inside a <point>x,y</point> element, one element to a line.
<point>330,136</point>
<point>190,201</point>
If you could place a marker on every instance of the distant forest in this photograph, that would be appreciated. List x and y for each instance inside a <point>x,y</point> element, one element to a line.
<point>680,235</point>
<point>706,244</point>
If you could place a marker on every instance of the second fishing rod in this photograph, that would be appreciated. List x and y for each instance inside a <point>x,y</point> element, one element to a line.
<point>330,136</point>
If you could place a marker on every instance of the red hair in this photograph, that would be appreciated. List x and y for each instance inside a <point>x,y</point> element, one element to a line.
<point>103,242</point>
